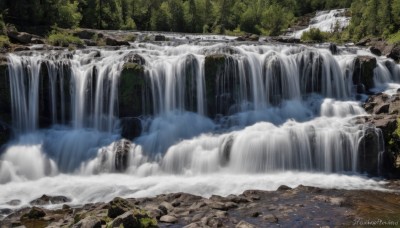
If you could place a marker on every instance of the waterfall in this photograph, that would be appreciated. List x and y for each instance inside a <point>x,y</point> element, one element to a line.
<point>205,109</point>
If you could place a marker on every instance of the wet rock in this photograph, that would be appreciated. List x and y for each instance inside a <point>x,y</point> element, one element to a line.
<point>118,206</point>
<point>88,222</point>
<point>248,37</point>
<point>35,213</point>
<point>121,150</point>
<point>285,39</point>
<point>363,73</point>
<point>333,48</point>
<point>283,188</point>
<point>134,58</point>
<point>125,220</point>
<point>134,92</point>
<point>14,202</point>
<point>46,200</point>
<point>85,34</point>
<point>159,38</point>
<point>168,219</point>
<point>395,53</point>
<point>375,51</point>
<point>244,224</point>
<point>114,42</point>
<point>20,37</point>
<point>38,41</point>
<point>90,43</point>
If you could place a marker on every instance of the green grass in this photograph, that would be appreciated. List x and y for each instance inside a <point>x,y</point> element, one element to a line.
<point>64,39</point>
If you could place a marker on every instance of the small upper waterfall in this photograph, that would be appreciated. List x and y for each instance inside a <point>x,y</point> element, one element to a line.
<point>204,108</point>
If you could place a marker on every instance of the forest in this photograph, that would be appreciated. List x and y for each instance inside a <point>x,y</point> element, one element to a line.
<point>378,18</point>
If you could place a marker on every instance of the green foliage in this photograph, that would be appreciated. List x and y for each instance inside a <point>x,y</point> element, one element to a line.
<point>315,35</point>
<point>3,28</point>
<point>69,17</point>
<point>62,38</point>
<point>4,42</point>
<point>394,38</point>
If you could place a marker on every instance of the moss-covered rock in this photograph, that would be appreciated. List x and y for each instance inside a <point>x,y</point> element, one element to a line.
<point>363,74</point>
<point>133,92</point>
<point>214,68</point>
<point>118,206</point>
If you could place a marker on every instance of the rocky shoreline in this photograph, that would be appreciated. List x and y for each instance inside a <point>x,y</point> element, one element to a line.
<point>302,206</point>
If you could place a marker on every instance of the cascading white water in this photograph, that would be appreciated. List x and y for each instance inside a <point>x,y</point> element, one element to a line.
<point>327,21</point>
<point>278,109</point>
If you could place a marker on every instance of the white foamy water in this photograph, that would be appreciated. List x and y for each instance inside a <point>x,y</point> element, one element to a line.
<point>277,115</point>
<point>326,21</point>
<point>103,188</point>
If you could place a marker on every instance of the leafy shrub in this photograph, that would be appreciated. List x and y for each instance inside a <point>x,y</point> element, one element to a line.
<point>394,38</point>
<point>314,34</point>
<point>4,42</point>
<point>64,39</point>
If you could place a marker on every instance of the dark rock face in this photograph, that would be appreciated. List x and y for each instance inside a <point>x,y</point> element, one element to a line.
<point>131,127</point>
<point>46,200</point>
<point>5,92</point>
<point>125,220</point>
<point>20,37</point>
<point>363,74</point>
<point>134,92</point>
<point>159,38</point>
<point>395,53</point>
<point>385,113</point>
<point>220,83</point>
<point>333,48</point>
<point>121,149</point>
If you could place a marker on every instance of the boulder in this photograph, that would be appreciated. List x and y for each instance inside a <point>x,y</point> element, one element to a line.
<point>34,213</point>
<point>47,200</point>
<point>125,220</point>
<point>375,51</point>
<point>110,41</point>
<point>395,53</point>
<point>88,222</point>
<point>85,34</point>
<point>168,219</point>
<point>363,74</point>
<point>20,37</point>
<point>159,38</point>
<point>118,206</point>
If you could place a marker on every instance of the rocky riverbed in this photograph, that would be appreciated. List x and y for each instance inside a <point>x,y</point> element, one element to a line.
<point>302,206</point>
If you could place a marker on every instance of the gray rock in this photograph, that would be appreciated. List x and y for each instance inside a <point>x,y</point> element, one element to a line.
<point>46,200</point>
<point>244,224</point>
<point>88,222</point>
<point>14,202</point>
<point>168,219</point>
<point>270,218</point>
